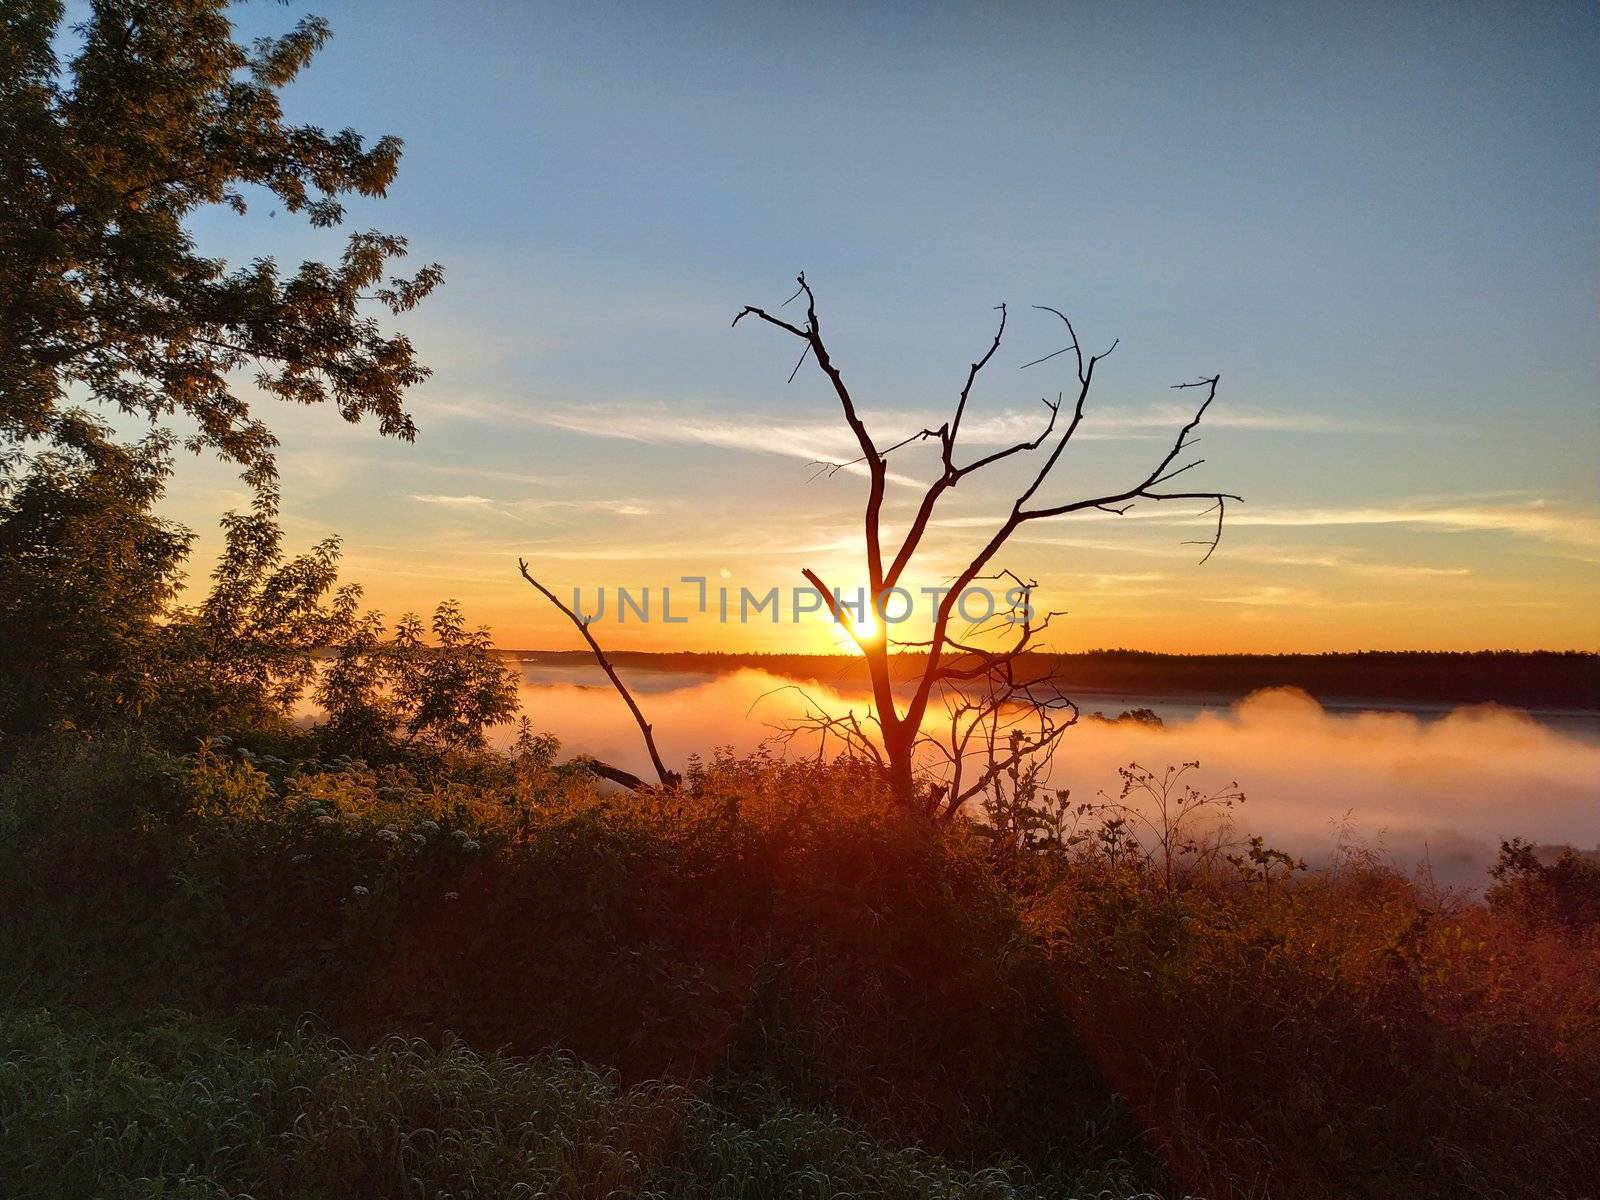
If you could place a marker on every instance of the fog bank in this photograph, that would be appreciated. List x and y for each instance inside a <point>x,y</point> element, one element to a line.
<point>1442,792</point>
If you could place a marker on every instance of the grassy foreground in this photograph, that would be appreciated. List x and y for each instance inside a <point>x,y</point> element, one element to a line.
<point>249,971</point>
<point>171,1107</point>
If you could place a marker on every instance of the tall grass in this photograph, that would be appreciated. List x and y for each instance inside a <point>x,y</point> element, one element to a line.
<point>170,1108</point>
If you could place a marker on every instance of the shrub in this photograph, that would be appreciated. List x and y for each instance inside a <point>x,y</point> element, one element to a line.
<point>1564,891</point>
<point>783,921</point>
<point>229,876</point>
<point>1338,1037</point>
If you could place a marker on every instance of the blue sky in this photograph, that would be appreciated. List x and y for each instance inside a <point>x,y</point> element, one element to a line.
<point>1377,222</point>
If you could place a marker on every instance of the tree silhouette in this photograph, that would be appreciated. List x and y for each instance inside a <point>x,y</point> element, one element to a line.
<point>987,694</point>
<point>160,113</point>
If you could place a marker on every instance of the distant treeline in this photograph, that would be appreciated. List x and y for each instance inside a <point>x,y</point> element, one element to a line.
<point>1540,679</point>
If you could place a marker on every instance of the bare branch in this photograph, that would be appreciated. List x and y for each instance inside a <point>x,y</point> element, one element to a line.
<point>877,471</point>
<point>615,774</point>
<point>996,709</point>
<point>669,779</point>
<point>1211,543</point>
<point>966,389</point>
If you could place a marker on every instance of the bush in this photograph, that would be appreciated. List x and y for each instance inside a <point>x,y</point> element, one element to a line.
<point>1563,892</point>
<point>776,921</point>
<point>1338,1037</point>
<point>227,876</point>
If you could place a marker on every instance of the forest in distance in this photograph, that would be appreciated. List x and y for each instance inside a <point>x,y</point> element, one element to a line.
<point>1547,680</point>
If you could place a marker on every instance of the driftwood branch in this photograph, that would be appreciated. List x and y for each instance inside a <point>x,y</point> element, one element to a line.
<point>669,778</point>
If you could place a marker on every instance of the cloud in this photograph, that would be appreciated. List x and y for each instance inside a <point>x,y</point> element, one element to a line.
<point>827,440</point>
<point>1538,518</point>
<point>1270,597</point>
<point>514,508</point>
<point>455,501</point>
<point>1343,563</point>
<point>1542,520</point>
<point>815,442</point>
<point>622,508</point>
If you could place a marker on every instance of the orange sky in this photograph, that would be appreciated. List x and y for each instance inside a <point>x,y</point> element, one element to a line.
<point>1379,231</point>
<point>1512,570</point>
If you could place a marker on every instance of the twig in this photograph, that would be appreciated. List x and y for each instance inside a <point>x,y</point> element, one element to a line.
<point>669,779</point>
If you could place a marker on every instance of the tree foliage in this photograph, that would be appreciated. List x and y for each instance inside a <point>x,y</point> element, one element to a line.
<point>118,131</point>
<point>157,114</point>
<point>251,646</point>
<point>89,570</point>
<point>441,695</point>
<point>95,637</point>
<point>1560,888</point>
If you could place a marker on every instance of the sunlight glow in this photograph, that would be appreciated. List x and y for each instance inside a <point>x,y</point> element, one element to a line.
<point>849,633</point>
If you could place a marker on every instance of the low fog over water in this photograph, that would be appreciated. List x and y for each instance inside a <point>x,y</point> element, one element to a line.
<point>1436,787</point>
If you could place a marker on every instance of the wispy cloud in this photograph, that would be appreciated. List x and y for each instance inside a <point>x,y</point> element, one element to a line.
<point>1538,518</point>
<point>1269,556</point>
<point>1154,420</point>
<point>454,501</point>
<point>514,508</point>
<point>825,439</point>
<point>1270,597</point>
<point>622,508</point>
<point>810,441</point>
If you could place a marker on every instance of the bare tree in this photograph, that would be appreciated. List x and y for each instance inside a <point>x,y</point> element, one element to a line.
<point>986,693</point>
<point>996,716</point>
<point>668,778</point>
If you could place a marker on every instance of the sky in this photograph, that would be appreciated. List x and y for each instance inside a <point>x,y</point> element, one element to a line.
<point>1377,223</point>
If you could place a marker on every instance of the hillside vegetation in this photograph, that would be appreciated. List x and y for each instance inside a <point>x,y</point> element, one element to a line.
<point>261,969</point>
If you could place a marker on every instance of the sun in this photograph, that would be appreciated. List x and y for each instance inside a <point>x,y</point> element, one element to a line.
<point>867,629</point>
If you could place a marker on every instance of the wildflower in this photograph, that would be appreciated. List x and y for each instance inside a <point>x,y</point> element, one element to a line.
<point>390,836</point>
<point>469,845</point>
<point>361,891</point>
<point>428,826</point>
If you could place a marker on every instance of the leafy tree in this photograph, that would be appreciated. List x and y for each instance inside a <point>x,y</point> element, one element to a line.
<point>361,715</point>
<point>103,290</point>
<point>87,599</point>
<point>116,132</point>
<point>258,633</point>
<point>408,692</point>
<point>451,692</point>
<point>93,635</point>
<point>89,570</point>
<point>245,655</point>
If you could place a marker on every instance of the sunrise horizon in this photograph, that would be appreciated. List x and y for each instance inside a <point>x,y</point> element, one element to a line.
<point>1403,337</point>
